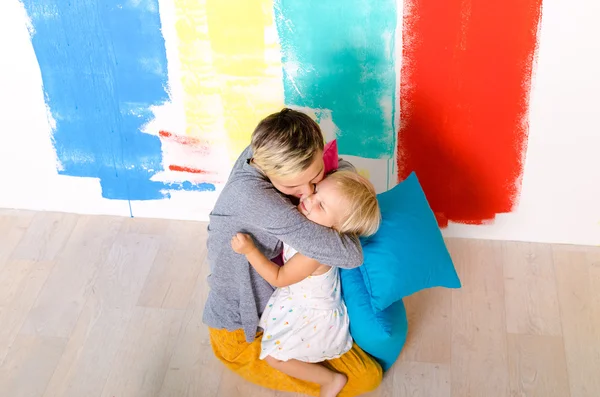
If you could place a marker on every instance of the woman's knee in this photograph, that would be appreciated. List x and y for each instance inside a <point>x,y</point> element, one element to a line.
<point>373,378</point>
<point>369,377</point>
<point>364,373</point>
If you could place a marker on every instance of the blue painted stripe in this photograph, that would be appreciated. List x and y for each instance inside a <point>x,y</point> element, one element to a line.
<point>103,65</point>
<point>339,55</point>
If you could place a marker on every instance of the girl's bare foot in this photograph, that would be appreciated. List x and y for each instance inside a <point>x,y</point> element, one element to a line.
<point>332,389</point>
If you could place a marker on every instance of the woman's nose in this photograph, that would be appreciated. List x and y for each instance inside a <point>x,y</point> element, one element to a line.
<point>307,190</point>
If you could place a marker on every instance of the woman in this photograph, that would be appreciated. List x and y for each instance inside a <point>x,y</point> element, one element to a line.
<point>285,158</point>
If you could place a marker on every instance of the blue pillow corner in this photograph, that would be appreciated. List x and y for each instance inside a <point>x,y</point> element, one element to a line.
<point>408,252</point>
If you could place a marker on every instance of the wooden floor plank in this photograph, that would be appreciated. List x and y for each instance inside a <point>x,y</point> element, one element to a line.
<point>578,291</point>
<point>20,285</point>
<point>173,277</point>
<point>416,379</point>
<point>479,356</point>
<point>46,236</point>
<point>537,366</point>
<point>13,226</point>
<point>429,326</point>
<point>145,352</point>
<point>530,289</point>
<point>194,370</point>
<point>29,365</point>
<point>97,336</point>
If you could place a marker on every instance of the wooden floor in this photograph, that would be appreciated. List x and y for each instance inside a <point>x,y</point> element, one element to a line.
<point>112,307</point>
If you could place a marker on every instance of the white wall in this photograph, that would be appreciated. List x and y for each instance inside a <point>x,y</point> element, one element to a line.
<point>560,198</point>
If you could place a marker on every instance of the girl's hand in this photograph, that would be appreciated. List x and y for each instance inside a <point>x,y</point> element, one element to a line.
<point>242,244</point>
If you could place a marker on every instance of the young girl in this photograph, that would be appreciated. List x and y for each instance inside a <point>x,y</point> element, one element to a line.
<point>305,321</point>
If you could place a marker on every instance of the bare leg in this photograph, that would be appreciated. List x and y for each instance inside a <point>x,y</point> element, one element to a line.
<point>331,382</point>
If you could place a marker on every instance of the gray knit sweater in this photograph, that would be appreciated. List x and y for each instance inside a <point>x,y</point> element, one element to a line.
<point>250,204</point>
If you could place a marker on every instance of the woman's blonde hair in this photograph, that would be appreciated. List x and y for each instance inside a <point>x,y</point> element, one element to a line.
<point>363,216</point>
<point>286,143</point>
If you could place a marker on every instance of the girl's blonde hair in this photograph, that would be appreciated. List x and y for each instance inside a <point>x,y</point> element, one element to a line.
<point>363,216</point>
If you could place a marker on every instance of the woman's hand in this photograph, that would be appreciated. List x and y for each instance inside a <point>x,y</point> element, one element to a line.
<point>242,244</point>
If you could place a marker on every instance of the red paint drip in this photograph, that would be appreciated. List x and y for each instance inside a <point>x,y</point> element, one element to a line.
<point>464,95</point>
<point>181,168</point>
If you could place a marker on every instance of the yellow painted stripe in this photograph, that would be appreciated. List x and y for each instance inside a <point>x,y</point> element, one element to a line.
<point>230,68</point>
<point>364,172</point>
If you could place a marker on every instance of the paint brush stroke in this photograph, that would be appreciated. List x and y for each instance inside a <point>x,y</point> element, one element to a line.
<point>465,84</point>
<point>231,68</point>
<point>341,59</point>
<point>103,67</point>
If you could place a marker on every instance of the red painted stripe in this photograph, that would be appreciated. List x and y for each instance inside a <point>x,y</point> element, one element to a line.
<point>181,168</point>
<point>184,140</point>
<point>465,83</point>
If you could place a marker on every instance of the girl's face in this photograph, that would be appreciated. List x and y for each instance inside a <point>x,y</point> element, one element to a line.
<point>325,206</point>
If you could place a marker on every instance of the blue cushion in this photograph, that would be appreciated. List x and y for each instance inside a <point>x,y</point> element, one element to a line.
<point>381,334</point>
<point>408,253</point>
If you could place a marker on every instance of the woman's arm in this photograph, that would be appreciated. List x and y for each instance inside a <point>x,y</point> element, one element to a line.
<point>295,270</point>
<point>269,210</point>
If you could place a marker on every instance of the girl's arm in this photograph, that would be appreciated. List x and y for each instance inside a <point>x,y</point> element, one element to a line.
<point>295,270</point>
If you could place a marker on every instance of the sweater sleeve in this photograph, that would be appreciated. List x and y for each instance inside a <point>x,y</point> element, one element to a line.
<point>344,165</point>
<point>272,212</point>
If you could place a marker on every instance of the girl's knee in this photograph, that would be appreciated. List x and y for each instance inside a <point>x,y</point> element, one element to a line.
<point>273,362</point>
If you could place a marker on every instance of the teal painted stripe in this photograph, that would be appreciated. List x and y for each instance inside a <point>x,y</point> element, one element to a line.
<point>339,55</point>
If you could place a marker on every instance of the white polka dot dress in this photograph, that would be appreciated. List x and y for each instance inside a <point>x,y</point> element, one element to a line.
<point>306,321</point>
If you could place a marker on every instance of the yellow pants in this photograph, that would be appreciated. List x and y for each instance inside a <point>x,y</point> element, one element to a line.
<point>364,374</point>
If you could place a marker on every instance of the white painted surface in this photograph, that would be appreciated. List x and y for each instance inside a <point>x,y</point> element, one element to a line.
<point>560,198</point>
